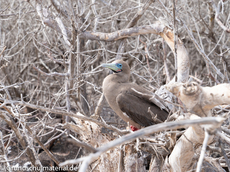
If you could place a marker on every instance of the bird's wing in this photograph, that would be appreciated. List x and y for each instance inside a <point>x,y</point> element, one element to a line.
<point>137,107</point>
<point>154,98</point>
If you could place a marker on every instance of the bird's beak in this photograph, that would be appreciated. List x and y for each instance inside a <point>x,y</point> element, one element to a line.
<point>112,67</point>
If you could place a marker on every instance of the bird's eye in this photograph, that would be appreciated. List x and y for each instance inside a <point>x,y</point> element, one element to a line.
<point>119,65</point>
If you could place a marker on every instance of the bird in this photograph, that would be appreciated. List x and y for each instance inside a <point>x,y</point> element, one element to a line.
<point>129,101</point>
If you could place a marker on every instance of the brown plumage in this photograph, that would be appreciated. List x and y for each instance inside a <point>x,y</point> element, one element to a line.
<point>130,101</point>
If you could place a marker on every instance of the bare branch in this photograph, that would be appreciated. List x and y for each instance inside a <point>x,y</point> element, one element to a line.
<point>203,53</point>
<point>50,74</point>
<point>59,8</point>
<point>203,149</point>
<point>42,145</point>
<point>21,139</point>
<point>217,18</point>
<point>155,28</point>
<point>146,131</point>
<point>71,114</point>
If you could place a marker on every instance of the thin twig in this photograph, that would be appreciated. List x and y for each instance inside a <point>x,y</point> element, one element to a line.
<point>71,114</point>
<point>121,160</point>
<point>79,143</point>
<point>165,62</point>
<point>2,51</point>
<point>220,23</point>
<point>174,35</point>
<point>21,139</point>
<point>132,23</point>
<point>223,137</point>
<point>203,150</point>
<point>50,74</point>
<point>99,107</point>
<point>203,53</point>
<point>224,154</point>
<point>4,153</point>
<point>42,145</point>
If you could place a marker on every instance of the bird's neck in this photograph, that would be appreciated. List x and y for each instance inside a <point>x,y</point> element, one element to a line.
<point>118,78</point>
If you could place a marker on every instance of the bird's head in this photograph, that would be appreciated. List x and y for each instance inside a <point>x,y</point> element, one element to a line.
<point>119,68</point>
<point>115,67</point>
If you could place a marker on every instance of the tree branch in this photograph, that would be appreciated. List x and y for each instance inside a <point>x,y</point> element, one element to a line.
<point>145,131</point>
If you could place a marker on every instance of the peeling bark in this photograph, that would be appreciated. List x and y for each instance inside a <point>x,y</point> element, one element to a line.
<point>199,100</point>
<point>181,157</point>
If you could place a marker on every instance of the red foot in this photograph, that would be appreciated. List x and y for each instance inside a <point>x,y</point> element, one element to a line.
<point>133,128</point>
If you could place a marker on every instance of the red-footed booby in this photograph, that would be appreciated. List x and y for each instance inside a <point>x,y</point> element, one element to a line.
<point>128,100</point>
